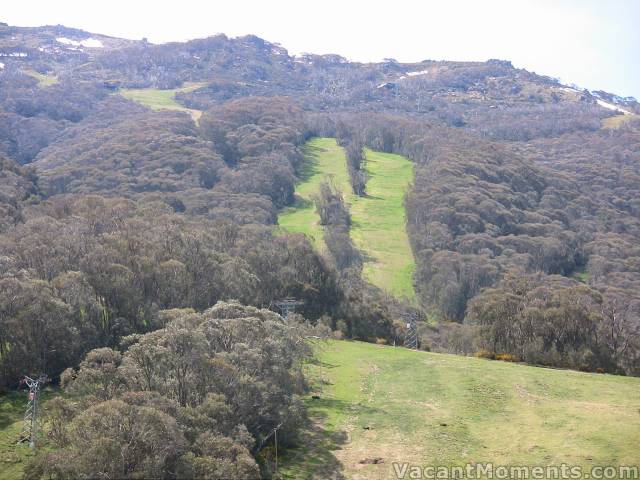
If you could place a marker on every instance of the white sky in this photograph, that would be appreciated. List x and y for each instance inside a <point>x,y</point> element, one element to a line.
<point>594,43</point>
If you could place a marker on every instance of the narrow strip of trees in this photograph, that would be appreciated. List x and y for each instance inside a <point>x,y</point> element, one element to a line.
<point>355,166</point>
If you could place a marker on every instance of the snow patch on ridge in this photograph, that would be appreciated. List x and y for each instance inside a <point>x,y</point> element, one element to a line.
<point>611,106</point>
<point>87,42</point>
<point>421,72</point>
<point>13,54</point>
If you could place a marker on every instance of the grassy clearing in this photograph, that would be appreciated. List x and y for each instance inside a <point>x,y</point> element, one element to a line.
<point>379,224</point>
<point>616,121</point>
<point>13,457</point>
<point>581,276</point>
<point>43,80</point>
<point>157,99</point>
<point>435,409</point>
<point>378,227</point>
<point>324,160</point>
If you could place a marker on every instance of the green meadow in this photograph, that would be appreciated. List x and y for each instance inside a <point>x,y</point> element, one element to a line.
<point>617,121</point>
<point>376,405</point>
<point>157,99</point>
<point>324,160</point>
<point>378,219</point>
<point>385,404</point>
<point>379,224</point>
<point>43,80</point>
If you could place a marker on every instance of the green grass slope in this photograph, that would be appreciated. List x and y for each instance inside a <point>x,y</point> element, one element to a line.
<point>157,99</point>
<point>379,224</point>
<point>378,220</point>
<point>324,159</point>
<point>399,405</point>
<point>618,121</point>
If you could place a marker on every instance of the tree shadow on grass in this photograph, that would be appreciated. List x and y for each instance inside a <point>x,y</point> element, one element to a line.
<point>12,407</point>
<point>301,202</point>
<point>315,361</point>
<point>314,456</point>
<point>372,197</point>
<point>310,167</point>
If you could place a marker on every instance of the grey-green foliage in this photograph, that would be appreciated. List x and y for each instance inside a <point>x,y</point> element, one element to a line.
<point>195,399</point>
<point>552,320</point>
<point>96,270</point>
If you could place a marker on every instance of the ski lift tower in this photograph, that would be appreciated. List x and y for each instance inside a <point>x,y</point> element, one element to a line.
<point>411,336</point>
<point>288,306</point>
<point>30,427</point>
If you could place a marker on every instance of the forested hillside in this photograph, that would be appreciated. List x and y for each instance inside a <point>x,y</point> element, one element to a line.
<point>535,236</point>
<point>140,193</point>
<point>515,176</point>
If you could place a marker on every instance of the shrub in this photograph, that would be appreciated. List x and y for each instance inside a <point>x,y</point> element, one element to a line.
<point>341,326</point>
<point>599,370</point>
<point>507,357</point>
<point>485,354</point>
<point>425,344</point>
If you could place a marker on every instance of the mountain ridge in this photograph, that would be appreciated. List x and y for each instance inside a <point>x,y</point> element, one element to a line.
<point>45,41</point>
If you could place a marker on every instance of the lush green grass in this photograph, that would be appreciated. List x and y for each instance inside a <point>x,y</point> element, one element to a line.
<point>379,224</point>
<point>435,409</point>
<point>324,160</point>
<point>13,457</point>
<point>157,99</point>
<point>378,220</point>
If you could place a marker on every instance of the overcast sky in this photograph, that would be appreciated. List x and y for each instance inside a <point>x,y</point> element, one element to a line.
<point>594,43</point>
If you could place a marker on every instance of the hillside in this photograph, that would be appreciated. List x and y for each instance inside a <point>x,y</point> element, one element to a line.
<point>514,184</point>
<point>323,158</point>
<point>397,405</point>
<point>161,205</point>
<point>378,226</point>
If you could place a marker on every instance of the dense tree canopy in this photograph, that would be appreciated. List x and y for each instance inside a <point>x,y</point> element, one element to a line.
<point>87,271</point>
<point>193,399</point>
